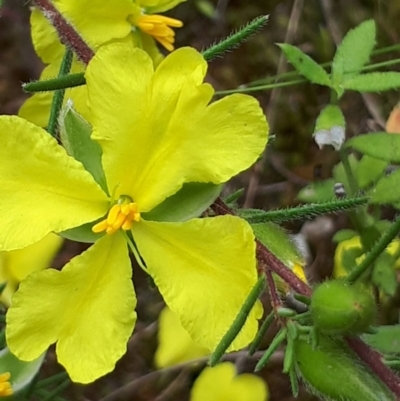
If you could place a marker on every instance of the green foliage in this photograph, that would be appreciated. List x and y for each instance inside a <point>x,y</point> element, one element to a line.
<point>380,145</point>
<point>305,65</point>
<point>385,340</point>
<point>75,134</point>
<point>190,201</point>
<point>354,52</point>
<point>333,372</point>
<point>369,170</point>
<point>373,82</point>
<point>387,189</point>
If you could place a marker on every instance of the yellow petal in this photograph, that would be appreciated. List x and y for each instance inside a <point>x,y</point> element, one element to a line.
<point>43,189</point>
<point>35,257</point>
<point>159,6</point>
<point>204,269</point>
<point>220,383</point>
<point>160,129</point>
<point>99,21</point>
<point>45,38</point>
<point>87,308</point>
<point>16,265</point>
<point>174,343</point>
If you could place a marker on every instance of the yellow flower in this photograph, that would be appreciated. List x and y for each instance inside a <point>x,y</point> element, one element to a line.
<point>174,343</point>
<point>220,383</point>
<point>350,253</point>
<point>99,22</point>
<point>157,131</point>
<point>5,385</point>
<point>16,265</point>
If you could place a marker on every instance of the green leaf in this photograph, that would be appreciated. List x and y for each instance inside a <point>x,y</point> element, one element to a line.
<point>373,82</point>
<point>369,170</point>
<point>75,134</point>
<point>190,201</point>
<point>83,233</point>
<point>318,192</point>
<point>354,52</point>
<point>387,189</point>
<point>383,274</point>
<point>22,373</point>
<point>380,145</point>
<point>305,65</point>
<point>279,243</point>
<point>343,235</point>
<point>330,127</point>
<point>386,340</point>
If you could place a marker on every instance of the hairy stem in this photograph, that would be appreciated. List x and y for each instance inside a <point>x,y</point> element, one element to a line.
<point>67,33</point>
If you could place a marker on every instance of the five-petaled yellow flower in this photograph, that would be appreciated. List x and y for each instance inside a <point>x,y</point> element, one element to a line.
<point>98,21</point>
<point>157,131</point>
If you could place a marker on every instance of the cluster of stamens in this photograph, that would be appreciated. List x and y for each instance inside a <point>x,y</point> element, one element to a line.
<point>121,215</point>
<point>5,385</point>
<point>159,27</point>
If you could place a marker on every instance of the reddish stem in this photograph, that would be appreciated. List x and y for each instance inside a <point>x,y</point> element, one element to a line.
<point>369,356</point>
<point>67,33</point>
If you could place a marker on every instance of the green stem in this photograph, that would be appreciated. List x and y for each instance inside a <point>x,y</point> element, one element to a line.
<point>134,251</point>
<point>235,39</point>
<point>262,87</point>
<point>62,82</point>
<point>376,250</point>
<point>261,333</point>
<point>276,342</point>
<point>59,389</point>
<point>239,321</point>
<point>59,94</point>
<point>51,380</point>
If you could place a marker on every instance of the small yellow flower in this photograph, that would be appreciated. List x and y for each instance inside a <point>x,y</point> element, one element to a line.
<point>174,343</point>
<point>221,383</point>
<point>353,248</point>
<point>5,385</point>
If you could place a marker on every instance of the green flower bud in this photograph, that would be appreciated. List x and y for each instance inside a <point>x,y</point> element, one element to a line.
<point>333,372</point>
<point>338,307</point>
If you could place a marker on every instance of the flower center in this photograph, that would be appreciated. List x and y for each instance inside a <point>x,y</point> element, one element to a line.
<point>121,215</point>
<point>5,385</point>
<point>159,27</point>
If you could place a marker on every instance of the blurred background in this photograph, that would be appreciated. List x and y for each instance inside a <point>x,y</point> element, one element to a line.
<point>291,161</point>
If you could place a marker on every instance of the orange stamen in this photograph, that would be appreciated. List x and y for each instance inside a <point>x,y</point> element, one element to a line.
<point>5,385</point>
<point>121,215</point>
<point>159,27</point>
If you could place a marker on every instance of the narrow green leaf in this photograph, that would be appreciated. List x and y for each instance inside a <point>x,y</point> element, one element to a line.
<point>239,322</point>
<point>354,51</point>
<point>387,189</point>
<point>373,82</point>
<point>369,170</point>
<point>305,65</point>
<point>275,343</point>
<point>380,145</point>
<point>386,340</point>
<point>63,82</point>
<point>261,333</point>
